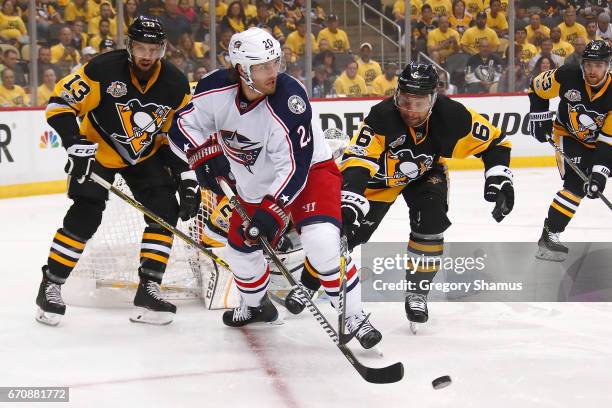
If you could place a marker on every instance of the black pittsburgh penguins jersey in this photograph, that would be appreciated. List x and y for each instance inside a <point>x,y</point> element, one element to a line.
<point>583,112</point>
<point>127,119</point>
<point>395,155</point>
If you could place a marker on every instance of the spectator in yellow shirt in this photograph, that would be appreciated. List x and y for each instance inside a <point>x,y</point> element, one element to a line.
<point>93,8</point>
<point>104,33</point>
<point>496,19</point>
<point>336,37</point>
<point>560,47</point>
<point>367,68</point>
<point>220,9</point>
<point>440,7</point>
<point>504,5</point>
<point>11,25</point>
<point>75,9</point>
<point>106,12</point>
<point>349,83</point>
<point>235,18</point>
<point>460,20</point>
<point>385,84</point>
<point>297,40</point>
<point>570,29</point>
<point>64,54</point>
<point>474,6</point>
<point>536,31</point>
<point>399,10</point>
<point>250,10</point>
<point>12,95</point>
<point>473,35</point>
<point>44,91</point>
<point>443,39</point>
<point>528,50</point>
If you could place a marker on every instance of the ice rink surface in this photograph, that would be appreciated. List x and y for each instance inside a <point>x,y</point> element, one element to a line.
<point>498,354</point>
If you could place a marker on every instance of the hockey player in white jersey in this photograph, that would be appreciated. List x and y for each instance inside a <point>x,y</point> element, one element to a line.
<point>251,124</point>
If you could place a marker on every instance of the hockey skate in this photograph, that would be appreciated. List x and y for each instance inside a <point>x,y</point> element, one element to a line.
<point>51,307</point>
<point>294,302</point>
<point>416,309</point>
<point>549,246</point>
<point>150,307</point>
<point>243,314</point>
<point>359,326</point>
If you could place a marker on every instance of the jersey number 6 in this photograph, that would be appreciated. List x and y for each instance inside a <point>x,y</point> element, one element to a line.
<point>80,90</point>
<point>480,131</point>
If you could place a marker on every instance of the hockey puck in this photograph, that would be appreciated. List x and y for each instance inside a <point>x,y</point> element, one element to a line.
<point>441,382</point>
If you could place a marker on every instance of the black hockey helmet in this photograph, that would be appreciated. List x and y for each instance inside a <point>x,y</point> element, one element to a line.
<point>597,50</point>
<point>147,29</point>
<point>418,79</point>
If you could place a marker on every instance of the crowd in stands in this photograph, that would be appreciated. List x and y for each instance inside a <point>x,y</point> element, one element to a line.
<point>467,38</point>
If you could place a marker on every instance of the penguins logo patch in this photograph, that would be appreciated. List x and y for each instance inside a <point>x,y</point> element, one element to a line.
<point>140,124</point>
<point>296,104</point>
<point>117,89</point>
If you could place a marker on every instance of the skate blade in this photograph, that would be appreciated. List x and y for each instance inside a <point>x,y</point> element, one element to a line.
<point>47,318</point>
<point>142,315</point>
<point>548,255</point>
<point>413,328</point>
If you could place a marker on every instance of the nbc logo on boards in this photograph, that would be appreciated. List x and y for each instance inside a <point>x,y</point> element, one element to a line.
<point>49,140</point>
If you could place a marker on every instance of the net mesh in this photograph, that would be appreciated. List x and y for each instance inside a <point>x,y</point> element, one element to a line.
<point>111,257</point>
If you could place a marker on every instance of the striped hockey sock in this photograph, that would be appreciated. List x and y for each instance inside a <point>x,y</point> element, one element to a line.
<point>64,254</point>
<point>424,262</point>
<point>155,251</point>
<point>562,210</point>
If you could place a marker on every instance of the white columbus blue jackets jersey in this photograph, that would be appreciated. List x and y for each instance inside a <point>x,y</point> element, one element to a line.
<point>270,143</point>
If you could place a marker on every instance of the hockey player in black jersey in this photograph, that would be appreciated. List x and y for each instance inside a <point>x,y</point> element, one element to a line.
<point>582,129</point>
<point>125,101</point>
<point>400,149</point>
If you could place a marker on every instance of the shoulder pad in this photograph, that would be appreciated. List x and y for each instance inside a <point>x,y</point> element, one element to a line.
<point>215,80</point>
<point>290,101</point>
<point>101,65</point>
<point>385,119</point>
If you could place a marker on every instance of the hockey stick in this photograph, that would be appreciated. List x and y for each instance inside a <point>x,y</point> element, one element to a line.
<point>578,171</point>
<point>186,238</point>
<point>383,375</point>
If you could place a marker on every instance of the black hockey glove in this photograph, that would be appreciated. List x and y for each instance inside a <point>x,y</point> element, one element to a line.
<point>541,125</point>
<point>189,194</point>
<point>270,221</point>
<point>81,157</point>
<point>354,208</point>
<point>499,190</point>
<point>597,181</point>
<point>210,164</point>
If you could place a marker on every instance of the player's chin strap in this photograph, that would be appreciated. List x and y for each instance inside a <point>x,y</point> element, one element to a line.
<point>247,80</point>
<point>577,170</point>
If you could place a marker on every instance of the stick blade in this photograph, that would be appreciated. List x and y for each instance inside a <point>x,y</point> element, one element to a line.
<point>382,375</point>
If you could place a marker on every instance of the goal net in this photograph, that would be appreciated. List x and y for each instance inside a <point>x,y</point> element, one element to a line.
<point>107,272</point>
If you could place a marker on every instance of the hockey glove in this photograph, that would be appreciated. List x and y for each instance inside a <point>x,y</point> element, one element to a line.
<point>354,208</point>
<point>499,190</point>
<point>269,221</point>
<point>189,194</point>
<point>541,125</point>
<point>81,157</point>
<point>210,164</point>
<point>597,181</point>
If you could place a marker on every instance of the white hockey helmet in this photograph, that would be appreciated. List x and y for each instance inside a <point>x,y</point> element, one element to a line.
<point>251,47</point>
